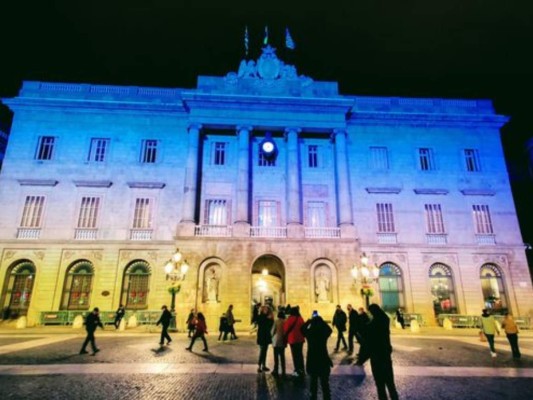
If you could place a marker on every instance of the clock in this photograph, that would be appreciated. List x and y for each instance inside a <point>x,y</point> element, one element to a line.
<point>268,147</point>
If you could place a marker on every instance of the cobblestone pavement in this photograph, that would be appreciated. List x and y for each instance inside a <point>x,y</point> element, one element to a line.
<point>133,366</point>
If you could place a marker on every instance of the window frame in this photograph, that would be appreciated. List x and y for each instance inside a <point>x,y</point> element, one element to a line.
<point>426,159</point>
<point>385,218</point>
<point>46,151</point>
<point>32,212</point>
<point>434,218</point>
<point>98,150</point>
<point>149,151</point>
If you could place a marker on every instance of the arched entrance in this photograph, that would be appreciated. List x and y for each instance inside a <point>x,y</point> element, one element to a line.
<point>268,281</point>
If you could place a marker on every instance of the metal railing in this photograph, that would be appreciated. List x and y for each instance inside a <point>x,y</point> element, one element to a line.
<point>474,321</point>
<point>64,317</point>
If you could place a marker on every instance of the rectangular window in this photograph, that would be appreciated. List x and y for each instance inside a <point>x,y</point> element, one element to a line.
<point>379,158</point>
<point>89,209</point>
<point>216,212</point>
<point>45,148</point>
<point>316,214</point>
<point>472,160</point>
<point>482,220</point>
<point>98,150</point>
<point>149,151</point>
<point>219,153</point>
<point>312,156</point>
<point>268,213</point>
<point>434,221</point>
<point>142,218</point>
<point>385,217</point>
<point>425,157</point>
<point>33,212</point>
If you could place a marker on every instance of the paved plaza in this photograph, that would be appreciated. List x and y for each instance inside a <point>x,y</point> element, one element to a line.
<point>43,363</point>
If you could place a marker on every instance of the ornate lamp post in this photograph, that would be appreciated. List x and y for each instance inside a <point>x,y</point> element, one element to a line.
<point>175,270</point>
<point>361,272</point>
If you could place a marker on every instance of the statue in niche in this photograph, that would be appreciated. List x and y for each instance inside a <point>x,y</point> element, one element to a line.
<point>211,281</point>
<point>322,284</point>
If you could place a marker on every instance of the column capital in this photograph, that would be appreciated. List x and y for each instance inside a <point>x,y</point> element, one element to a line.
<point>194,126</point>
<point>240,128</point>
<point>338,131</point>
<point>293,129</point>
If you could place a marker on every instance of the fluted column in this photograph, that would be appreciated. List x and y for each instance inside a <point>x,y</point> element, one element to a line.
<point>343,180</point>
<point>243,175</point>
<point>191,175</point>
<point>294,198</point>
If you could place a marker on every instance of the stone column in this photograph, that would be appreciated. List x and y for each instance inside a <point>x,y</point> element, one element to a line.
<point>241,224</point>
<point>191,176</point>
<point>344,196</point>
<point>294,197</point>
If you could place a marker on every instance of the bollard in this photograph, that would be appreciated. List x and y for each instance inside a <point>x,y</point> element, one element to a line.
<point>78,322</point>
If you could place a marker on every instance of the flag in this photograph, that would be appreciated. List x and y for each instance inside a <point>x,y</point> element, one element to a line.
<point>246,40</point>
<point>265,40</point>
<point>289,43</point>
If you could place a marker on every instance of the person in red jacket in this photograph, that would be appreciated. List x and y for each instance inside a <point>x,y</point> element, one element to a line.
<point>295,339</point>
<point>200,332</point>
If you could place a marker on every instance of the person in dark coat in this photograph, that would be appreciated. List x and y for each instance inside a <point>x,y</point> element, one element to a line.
<point>400,318</point>
<point>265,320</point>
<point>318,365</point>
<point>377,341</point>
<point>200,332</point>
<point>190,323</point>
<point>362,323</point>
<point>119,315</point>
<point>352,327</point>
<point>164,320</point>
<point>223,328</point>
<point>92,321</point>
<point>339,322</point>
<point>231,322</point>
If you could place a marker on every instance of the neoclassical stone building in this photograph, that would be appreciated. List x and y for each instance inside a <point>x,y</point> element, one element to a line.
<point>272,186</point>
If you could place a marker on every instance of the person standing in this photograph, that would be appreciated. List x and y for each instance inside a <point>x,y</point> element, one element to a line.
<point>379,349</point>
<point>352,327</point>
<point>279,344</point>
<point>489,328</point>
<point>265,320</point>
<point>92,321</point>
<point>362,323</point>
<point>119,315</point>
<point>231,322</point>
<point>223,328</point>
<point>318,365</point>
<point>339,322</point>
<point>164,320</point>
<point>399,318</point>
<point>200,332</point>
<point>295,339</point>
<point>190,323</point>
<point>511,330</point>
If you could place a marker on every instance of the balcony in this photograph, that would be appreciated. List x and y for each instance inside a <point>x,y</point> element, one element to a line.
<point>387,237</point>
<point>436,238</point>
<point>28,233</point>
<point>141,234</point>
<point>268,231</point>
<point>486,239</point>
<point>85,234</point>
<point>324,233</point>
<point>213,230</point>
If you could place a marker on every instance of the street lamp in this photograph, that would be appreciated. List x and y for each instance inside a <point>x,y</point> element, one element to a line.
<point>366,276</point>
<point>175,270</point>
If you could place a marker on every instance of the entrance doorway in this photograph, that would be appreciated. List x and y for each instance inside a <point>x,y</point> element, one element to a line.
<point>268,282</point>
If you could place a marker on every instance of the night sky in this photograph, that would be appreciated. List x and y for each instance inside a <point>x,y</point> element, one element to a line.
<point>433,48</point>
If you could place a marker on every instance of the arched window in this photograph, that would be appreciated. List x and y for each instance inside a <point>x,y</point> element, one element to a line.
<point>78,285</point>
<point>442,289</point>
<point>18,290</point>
<point>493,289</point>
<point>391,287</point>
<point>135,286</point>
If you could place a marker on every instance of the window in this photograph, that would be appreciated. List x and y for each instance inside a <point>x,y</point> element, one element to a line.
<point>425,157</point>
<point>149,151</point>
<point>88,212</point>
<point>442,289</point>
<point>135,286</point>
<point>316,214</point>
<point>216,212</point>
<point>45,148</point>
<point>391,287</point>
<point>78,285</point>
<point>19,288</point>
<point>385,217</point>
<point>472,160</point>
<point>434,221</point>
<point>265,160</point>
<point>32,213</point>
<point>379,158</point>
<point>98,150</point>
<point>142,218</point>
<point>219,153</point>
<point>268,213</point>
<point>312,156</point>
<point>482,220</point>
<point>493,289</point>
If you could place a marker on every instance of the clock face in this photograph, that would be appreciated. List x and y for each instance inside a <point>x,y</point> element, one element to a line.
<point>268,147</point>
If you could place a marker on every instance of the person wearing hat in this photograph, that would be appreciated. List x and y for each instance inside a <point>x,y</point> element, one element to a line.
<point>92,321</point>
<point>164,320</point>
